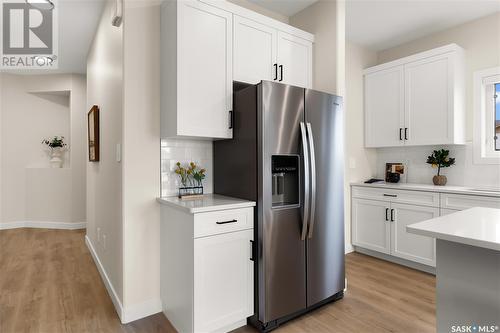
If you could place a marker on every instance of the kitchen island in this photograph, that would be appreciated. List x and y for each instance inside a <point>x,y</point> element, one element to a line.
<point>467,268</point>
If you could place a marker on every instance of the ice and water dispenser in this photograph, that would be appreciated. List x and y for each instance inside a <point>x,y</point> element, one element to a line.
<point>285,180</point>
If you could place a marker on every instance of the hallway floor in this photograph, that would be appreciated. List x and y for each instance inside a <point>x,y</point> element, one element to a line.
<point>49,284</point>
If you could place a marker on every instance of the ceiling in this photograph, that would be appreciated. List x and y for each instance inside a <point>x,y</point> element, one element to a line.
<point>382,24</point>
<point>78,20</point>
<point>284,7</point>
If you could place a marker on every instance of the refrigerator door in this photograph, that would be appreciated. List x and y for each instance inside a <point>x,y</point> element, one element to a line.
<point>325,242</point>
<point>281,261</point>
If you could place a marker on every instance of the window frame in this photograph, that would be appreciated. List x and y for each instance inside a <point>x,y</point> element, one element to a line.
<point>483,143</point>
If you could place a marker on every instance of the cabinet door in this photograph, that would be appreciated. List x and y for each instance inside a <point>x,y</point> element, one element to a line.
<point>204,70</point>
<point>295,57</point>
<point>384,108</point>
<point>410,246</point>
<point>254,51</point>
<point>370,229</point>
<point>429,101</point>
<point>223,280</point>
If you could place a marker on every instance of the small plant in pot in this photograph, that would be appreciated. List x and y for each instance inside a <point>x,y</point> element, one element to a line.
<point>440,159</point>
<point>56,147</point>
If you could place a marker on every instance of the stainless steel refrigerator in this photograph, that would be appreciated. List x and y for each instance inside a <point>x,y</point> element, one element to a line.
<point>287,154</point>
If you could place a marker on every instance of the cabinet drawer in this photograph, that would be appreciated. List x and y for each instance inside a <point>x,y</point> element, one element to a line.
<point>401,196</point>
<point>461,201</point>
<point>219,222</point>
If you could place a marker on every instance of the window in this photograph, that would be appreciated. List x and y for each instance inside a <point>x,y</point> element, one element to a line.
<point>497,116</point>
<point>487,116</point>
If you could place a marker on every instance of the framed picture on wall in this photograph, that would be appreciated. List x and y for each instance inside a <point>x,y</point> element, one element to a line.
<point>93,133</point>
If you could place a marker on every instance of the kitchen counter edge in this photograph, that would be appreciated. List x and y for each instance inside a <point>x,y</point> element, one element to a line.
<point>208,203</point>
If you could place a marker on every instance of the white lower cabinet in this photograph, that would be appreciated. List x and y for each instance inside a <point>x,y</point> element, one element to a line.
<point>381,226</point>
<point>207,268</point>
<point>410,246</point>
<point>223,280</point>
<point>380,215</point>
<point>370,228</point>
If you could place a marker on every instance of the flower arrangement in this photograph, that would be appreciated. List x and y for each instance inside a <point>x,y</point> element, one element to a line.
<point>54,142</point>
<point>440,159</point>
<point>191,178</point>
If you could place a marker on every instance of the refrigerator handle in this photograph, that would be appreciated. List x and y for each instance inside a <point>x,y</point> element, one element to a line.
<point>305,151</point>
<point>313,178</point>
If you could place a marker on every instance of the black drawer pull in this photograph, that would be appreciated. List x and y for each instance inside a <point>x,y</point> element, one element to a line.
<point>226,222</point>
<point>392,215</point>
<point>391,195</point>
<point>386,214</point>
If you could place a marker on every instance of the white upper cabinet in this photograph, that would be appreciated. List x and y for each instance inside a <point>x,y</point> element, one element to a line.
<point>262,52</point>
<point>208,44</point>
<point>196,70</point>
<point>255,47</point>
<point>384,107</point>
<point>417,100</point>
<point>294,60</point>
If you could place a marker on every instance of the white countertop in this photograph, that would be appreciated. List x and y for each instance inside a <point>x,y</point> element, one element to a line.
<point>491,192</point>
<point>475,226</point>
<point>207,203</point>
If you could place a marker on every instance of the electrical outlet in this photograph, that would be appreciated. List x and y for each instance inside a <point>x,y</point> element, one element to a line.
<point>98,235</point>
<point>104,242</point>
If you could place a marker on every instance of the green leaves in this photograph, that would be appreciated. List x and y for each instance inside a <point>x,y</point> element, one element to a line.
<point>193,173</point>
<point>54,142</point>
<point>440,159</point>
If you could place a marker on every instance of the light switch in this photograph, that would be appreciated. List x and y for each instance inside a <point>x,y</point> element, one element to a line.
<point>352,163</point>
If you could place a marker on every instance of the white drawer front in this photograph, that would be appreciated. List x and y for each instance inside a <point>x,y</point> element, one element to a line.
<point>401,196</point>
<point>219,222</point>
<point>461,201</point>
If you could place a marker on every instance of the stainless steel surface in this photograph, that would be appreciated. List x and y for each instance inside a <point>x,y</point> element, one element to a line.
<point>312,157</point>
<point>325,250</point>
<point>305,207</point>
<point>282,262</point>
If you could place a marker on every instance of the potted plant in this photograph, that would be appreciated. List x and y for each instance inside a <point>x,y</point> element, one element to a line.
<point>191,178</point>
<point>56,147</point>
<point>440,159</point>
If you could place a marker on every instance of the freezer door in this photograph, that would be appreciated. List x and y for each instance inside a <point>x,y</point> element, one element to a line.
<point>325,242</point>
<point>281,261</point>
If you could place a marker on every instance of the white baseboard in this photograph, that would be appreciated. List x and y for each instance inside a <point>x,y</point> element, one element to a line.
<point>43,225</point>
<point>348,248</point>
<point>141,310</point>
<point>107,282</point>
<point>130,313</point>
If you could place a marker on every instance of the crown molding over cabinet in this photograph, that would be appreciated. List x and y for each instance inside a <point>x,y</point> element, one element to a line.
<point>206,45</point>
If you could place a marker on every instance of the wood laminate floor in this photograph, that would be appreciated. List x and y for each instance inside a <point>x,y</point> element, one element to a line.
<point>49,284</point>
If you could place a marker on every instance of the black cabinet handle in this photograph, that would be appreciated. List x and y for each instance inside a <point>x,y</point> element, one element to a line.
<point>281,73</point>
<point>400,134</point>
<point>406,133</point>
<point>231,119</point>
<point>392,215</point>
<point>252,251</point>
<point>275,72</point>
<point>386,214</point>
<point>226,222</point>
<point>390,195</point>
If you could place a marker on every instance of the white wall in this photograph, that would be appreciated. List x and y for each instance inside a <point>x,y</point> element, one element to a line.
<point>36,107</point>
<point>141,159</point>
<point>321,20</point>
<point>104,178</point>
<point>261,10</point>
<point>360,162</point>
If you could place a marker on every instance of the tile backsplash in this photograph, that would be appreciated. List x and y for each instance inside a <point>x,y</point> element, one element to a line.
<point>184,151</point>
<point>463,173</point>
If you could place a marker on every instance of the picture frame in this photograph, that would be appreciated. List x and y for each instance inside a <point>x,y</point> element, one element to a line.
<point>93,133</point>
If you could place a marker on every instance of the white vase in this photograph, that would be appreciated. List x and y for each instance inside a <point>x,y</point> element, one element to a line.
<point>56,160</point>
